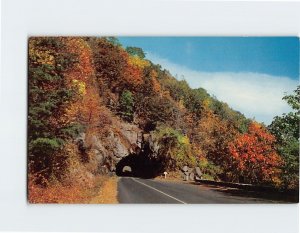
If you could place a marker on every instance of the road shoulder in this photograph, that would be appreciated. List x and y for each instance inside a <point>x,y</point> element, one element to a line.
<point>107,193</point>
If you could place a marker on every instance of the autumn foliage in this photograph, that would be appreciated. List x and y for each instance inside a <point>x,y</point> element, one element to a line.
<point>255,156</point>
<point>79,87</point>
<point>63,101</point>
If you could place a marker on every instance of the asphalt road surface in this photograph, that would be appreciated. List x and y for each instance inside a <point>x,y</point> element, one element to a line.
<point>137,190</point>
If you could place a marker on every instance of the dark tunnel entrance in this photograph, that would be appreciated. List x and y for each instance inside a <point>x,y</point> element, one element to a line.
<point>138,165</point>
<point>143,163</point>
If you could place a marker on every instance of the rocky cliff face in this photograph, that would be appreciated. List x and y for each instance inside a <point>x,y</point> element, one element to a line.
<point>120,141</point>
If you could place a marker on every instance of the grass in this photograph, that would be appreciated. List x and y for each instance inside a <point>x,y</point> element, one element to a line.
<point>103,190</point>
<point>107,194</point>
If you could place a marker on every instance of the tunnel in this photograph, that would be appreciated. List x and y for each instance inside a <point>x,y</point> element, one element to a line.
<point>138,165</point>
<point>143,162</point>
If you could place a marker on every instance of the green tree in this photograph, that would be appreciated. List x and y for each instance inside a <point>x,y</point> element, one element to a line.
<point>175,149</point>
<point>126,106</point>
<point>192,99</point>
<point>48,97</point>
<point>153,110</point>
<point>109,64</point>
<point>114,40</point>
<point>237,119</point>
<point>135,51</point>
<point>286,130</point>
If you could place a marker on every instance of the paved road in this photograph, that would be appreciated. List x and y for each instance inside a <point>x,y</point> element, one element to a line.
<point>136,190</point>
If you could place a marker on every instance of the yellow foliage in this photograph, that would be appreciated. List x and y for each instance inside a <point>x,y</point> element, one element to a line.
<point>81,87</point>
<point>206,103</point>
<point>73,160</point>
<point>203,162</point>
<point>138,62</point>
<point>181,104</point>
<point>185,140</point>
<point>40,56</point>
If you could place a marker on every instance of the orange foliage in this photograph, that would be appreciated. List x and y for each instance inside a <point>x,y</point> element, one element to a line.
<point>86,109</point>
<point>155,84</point>
<point>83,68</point>
<point>213,134</point>
<point>75,192</point>
<point>255,155</point>
<point>133,71</point>
<point>55,194</point>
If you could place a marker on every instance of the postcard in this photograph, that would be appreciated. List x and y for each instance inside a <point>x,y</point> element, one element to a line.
<point>175,120</point>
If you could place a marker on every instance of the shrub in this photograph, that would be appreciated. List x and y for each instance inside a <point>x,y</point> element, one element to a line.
<point>174,148</point>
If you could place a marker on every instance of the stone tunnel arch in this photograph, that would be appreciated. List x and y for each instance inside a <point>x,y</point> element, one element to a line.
<point>142,162</point>
<point>138,165</point>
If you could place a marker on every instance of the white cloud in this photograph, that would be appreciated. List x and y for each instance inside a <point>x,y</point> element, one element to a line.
<point>256,95</point>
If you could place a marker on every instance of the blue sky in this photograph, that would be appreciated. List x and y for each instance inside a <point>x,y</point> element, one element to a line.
<point>249,73</point>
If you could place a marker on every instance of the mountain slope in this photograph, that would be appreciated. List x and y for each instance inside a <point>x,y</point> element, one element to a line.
<point>92,103</point>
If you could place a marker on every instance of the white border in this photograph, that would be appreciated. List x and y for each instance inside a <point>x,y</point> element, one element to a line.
<point>21,19</point>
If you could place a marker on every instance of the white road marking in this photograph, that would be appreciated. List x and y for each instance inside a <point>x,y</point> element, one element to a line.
<point>159,191</point>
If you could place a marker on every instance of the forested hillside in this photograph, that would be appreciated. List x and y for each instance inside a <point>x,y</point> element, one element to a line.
<point>90,98</point>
